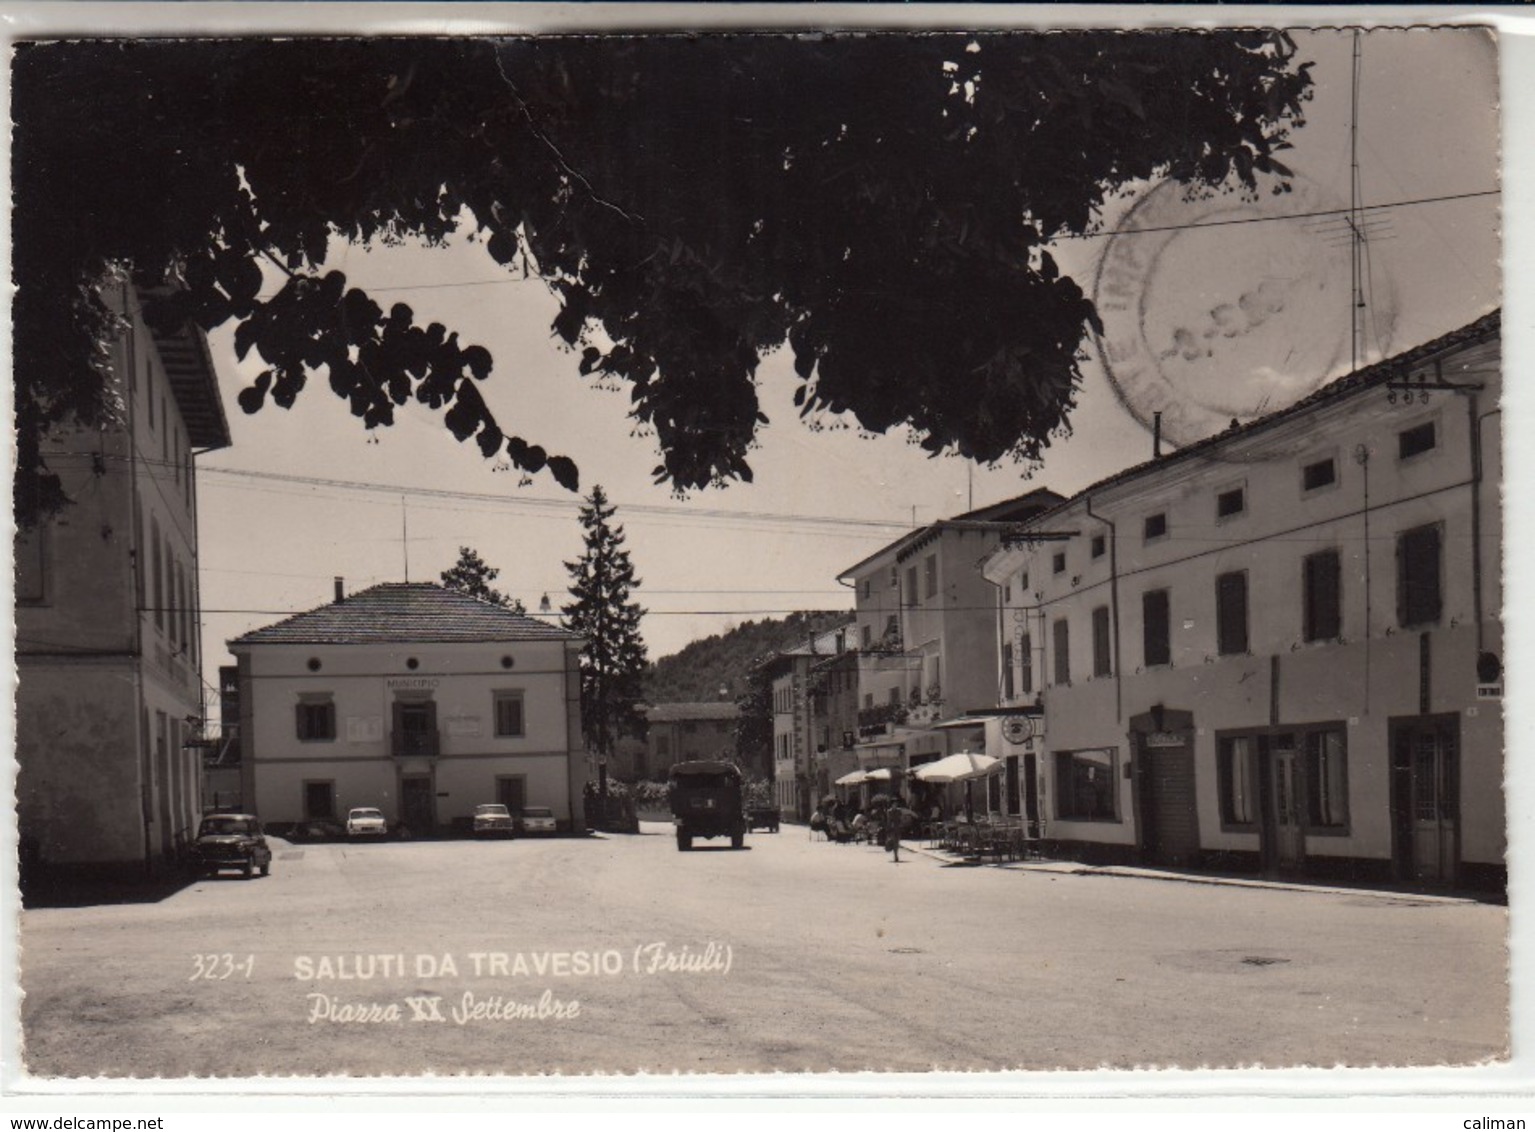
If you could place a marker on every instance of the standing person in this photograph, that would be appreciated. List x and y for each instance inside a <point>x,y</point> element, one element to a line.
<point>895,825</point>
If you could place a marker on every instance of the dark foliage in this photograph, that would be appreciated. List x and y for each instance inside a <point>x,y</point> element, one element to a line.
<point>472,575</point>
<point>600,609</point>
<point>884,204</point>
<point>697,671</point>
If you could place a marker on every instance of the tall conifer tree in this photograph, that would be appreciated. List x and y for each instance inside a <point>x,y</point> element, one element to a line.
<point>472,575</point>
<point>613,659</point>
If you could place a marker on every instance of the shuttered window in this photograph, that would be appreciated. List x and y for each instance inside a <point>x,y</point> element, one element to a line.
<point>1103,664</point>
<point>1322,597</point>
<point>1062,652</point>
<point>1418,592</point>
<point>1231,613</point>
<point>1155,628</point>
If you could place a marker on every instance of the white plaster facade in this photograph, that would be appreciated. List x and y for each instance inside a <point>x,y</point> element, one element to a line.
<point>107,618</point>
<point>1270,641</point>
<point>420,727</point>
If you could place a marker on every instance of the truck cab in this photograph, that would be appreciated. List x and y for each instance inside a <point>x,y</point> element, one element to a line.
<point>706,802</point>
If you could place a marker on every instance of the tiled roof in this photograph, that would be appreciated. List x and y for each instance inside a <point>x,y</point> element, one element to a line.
<point>1018,509</point>
<point>1370,377</point>
<point>681,713</point>
<point>405,612</point>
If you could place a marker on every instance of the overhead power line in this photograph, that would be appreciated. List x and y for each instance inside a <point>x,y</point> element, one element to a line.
<point>564,506</point>
<point>1272,219</point>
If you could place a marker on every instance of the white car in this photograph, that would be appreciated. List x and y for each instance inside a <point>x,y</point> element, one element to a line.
<point>536,819</point>
<point>365,821</point>
<point>492,819</point>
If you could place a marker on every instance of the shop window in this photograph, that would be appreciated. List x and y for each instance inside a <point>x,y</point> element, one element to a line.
<point>1322,596</point>
<point>1085,785</point>
<point>1103,665</point>
<point>1237,779</point>
<point>1418,592</point>
<point>316,719</point>
<point>1231,613</point>
<point>1326,780</point>
<point>1156,628</point>
<point>509,718</point>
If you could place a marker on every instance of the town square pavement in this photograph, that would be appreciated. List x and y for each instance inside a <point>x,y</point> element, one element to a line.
<point>620,954</point>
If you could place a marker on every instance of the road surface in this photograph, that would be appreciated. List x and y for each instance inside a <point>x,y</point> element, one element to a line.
<point>621,954</point>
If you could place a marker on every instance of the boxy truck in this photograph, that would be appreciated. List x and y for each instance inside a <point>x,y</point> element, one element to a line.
<point>706,802</point>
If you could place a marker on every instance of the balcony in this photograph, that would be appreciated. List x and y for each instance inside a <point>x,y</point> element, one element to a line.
<point>878,720</point>
<point>415,744</point>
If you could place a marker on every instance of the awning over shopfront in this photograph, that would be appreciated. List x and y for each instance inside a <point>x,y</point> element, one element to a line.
<point>959,767</point>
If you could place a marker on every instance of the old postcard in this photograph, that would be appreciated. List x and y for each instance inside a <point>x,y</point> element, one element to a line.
<point>672,543</point>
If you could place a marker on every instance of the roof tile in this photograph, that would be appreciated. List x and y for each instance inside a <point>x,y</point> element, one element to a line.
<point>406,612</point>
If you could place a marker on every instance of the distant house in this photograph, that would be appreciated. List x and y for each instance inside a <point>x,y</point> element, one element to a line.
<point>678,733</point>
<point>799,740</point>
<point>109,707</point>
<point>416,699</point>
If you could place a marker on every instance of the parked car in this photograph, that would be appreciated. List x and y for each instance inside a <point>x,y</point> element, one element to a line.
<point>536,819</point>
<point>231,841</point>
<point>365,821</point>
<point>492,819</point>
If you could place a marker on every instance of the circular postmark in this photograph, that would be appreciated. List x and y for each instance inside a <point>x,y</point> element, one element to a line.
<point>1225,308</point>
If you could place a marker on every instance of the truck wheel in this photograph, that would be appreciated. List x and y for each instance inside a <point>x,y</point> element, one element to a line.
<point>248,869</point>
<point>266,869</point>
<point>684,842</point>
<point>737,840</point>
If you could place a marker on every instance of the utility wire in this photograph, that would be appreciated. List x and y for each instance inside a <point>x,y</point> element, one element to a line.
<point>1272,219</point>
<point>561,505</point>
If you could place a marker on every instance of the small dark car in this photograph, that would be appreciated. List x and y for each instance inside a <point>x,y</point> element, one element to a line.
<point>231,841</point>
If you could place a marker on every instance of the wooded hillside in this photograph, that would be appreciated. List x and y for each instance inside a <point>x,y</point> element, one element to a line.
<point>700,669</point>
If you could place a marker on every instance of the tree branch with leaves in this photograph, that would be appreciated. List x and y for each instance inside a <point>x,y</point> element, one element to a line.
<point>883,204</point>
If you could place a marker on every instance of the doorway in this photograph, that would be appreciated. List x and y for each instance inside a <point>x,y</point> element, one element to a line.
<point>1166,810</point>
<point>1031,795</point>
<point>1283,837</point>
<point>418,804</point>
<point>1425,799</point>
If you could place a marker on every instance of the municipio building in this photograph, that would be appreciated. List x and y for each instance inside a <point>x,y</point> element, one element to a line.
<point>416,699</point>
<point>1278,650</point>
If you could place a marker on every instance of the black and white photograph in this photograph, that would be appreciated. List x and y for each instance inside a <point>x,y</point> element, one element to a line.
<point>640,543</point>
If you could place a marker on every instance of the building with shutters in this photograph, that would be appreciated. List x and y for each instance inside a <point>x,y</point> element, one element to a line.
<point>420,700</point>
<point>803,729</point>
<point>1278,649</point>
<point>926,631</point>
<point>109,705</point>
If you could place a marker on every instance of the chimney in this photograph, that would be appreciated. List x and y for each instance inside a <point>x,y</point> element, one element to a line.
<point>1156,439</point>
<point>340,589</point>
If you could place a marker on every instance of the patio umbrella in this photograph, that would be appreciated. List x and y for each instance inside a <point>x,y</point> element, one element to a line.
<point>959,767</point>
<point>883,774</point>
<point>851,779</point>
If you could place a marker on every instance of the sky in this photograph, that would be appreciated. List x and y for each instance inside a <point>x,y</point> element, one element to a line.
<point>399,502</point>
